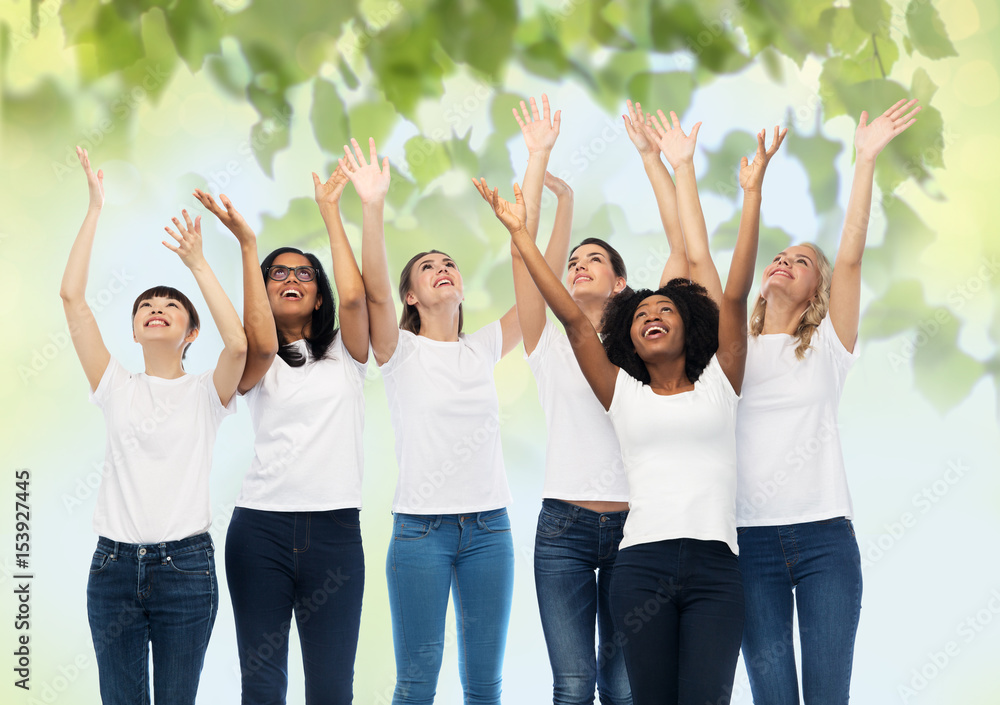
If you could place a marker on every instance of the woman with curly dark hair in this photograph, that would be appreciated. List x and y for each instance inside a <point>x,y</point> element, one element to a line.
<point>676,595</point>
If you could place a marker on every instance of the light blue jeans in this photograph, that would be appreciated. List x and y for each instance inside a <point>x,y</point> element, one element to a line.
<point>821,563</point>
<point>471,556</point>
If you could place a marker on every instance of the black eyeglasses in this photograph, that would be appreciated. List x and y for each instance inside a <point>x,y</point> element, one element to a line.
<point>279,273</point>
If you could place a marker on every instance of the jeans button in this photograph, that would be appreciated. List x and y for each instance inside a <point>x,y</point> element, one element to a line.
<point>603,519</point>
<point>142,551</point>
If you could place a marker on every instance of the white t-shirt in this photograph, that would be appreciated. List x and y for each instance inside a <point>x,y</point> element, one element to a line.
<point>160,435</point>
<point>446,415</point>
<point>680,459</point>
<point>791,468</point>
<point>309,423</point>
<point>582,460</point>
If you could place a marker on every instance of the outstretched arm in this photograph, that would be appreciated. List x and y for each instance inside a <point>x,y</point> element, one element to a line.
<point>594,363</point>
<point>530,304</point>
<point>87,340</point>
<point>383,329</point>
<point>371,187</point>
<point>229,369</point>
<point>733,307</point>
<point>845,289</point>
<point>258,321</point>
<point>679,151</point>
<point>640,131</point>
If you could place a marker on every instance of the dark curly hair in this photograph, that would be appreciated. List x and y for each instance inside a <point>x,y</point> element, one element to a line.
<point>701,327</point>
<point>324,319</point>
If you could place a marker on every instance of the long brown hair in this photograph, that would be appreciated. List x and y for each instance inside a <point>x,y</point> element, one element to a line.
<point>410,320</point>
<point>814,314</point>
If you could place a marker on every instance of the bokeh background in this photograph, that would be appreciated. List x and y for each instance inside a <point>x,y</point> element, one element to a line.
<point>246,97</point>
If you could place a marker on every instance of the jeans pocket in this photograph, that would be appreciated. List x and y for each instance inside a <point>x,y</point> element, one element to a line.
<point>198,562</point>
<point>99,562</point>
<point>410,528</point>
<point>498,523</point>
<point>346,518</point>
<point>552,525</point>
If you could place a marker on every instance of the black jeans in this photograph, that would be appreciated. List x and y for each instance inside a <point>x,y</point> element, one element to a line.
<point>678,611</point>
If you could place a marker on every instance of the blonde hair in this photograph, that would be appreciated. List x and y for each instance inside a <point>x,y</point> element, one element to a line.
<point>818,307</point>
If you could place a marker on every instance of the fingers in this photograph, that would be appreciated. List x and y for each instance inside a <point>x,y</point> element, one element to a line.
<point>694,131</point>
<point>518,196</point>
<point>674,121</point>
<point>557,120</point>
<point>517,116</point>
<point>761,149</point>
<point>172,234</point>
<point>660,132</point>
<point>483,189</point>
<point>170,247</point>
<point>372,153</point>
<point>524,111</point>
<point>187,220</point>
<point>316,181</point>
<point>895,107</point>
<point>385,167</point>
<point>910,116</point>
<point>744,162</point>
<point>663,120</point>
<point>348,160</point>
<point>534,109</point>
<point>778,139</point>
<point>631,112</point>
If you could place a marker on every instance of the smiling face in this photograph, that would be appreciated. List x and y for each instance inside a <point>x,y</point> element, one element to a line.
<point>793,274</point>
<point>162,319</point>
<point>657,328</point>
<point>434,278</point>
<point>590,273</point>
<point>291,299</point>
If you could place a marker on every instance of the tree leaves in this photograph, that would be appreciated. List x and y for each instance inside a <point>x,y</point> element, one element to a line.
<point>927,32</point>
<point>329,119</point>
<point>817,155</point>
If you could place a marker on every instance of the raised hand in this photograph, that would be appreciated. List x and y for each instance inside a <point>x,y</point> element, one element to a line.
<point>557,186</point>
<point>512,215</point>
<point>371,182</point>
<point>188,237</point>
<point>540,132</point>
<point>871,138</point>
<point>640,131</point>
<point>230,217</point>
<point>94,181</point>
<point>752,172</point>
<point>677,147</point>
<point>328,192</point>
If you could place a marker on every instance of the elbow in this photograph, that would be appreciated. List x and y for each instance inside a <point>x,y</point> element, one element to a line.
<point>353,299</point>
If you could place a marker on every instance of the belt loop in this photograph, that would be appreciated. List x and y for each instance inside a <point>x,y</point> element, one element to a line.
<point>437,521</point>
<point>163,553</point>
<point>115,551</point>
<point>479,520</point>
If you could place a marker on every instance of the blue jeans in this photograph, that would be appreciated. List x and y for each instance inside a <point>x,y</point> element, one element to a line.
<point>471,555</point>
<point>309,564</point>
<point>678,609</point>
<point>163,594</point>
<point>821,563</point>
<point>575,551</point>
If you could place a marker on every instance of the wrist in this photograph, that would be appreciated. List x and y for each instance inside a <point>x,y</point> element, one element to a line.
<point>651,158</point>
<point>684,165</point>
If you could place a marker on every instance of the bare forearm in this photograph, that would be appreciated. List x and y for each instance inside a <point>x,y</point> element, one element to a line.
<point>258,321</point>
<point>557,251</point>
<point>346,274</point>
<point>859,205</point>
<point>375,265</point>
<point>74,282</point>
<point>695,231</point>
<point>548,284</point>
<point>741,274</point>
<point>221,308</point>
<point>534,180</point>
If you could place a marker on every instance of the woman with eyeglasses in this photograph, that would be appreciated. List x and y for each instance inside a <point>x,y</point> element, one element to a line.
<point>152,578</point>
<point>294,543</point>
<point>451,533</point>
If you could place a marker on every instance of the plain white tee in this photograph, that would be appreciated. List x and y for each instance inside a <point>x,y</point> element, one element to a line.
<point>680,459</point>
<point>446,416</point>
<point>791,468</point>
<point>160,435</point>
<point>582,459</point>
<point>308,423</point>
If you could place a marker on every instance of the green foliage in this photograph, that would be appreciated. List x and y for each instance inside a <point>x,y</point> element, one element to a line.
<point>722,176</point>
<point>927,32</point>
<point>817,155</point>
<point>329,119</point>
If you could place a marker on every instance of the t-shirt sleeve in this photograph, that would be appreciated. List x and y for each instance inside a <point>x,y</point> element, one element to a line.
<point>405,345</point>
<point>359,368</point>
<point>207,384</point>
<point>624,385</point>
<point>829,339</point>
<point>543,348</point>
<point>488,340</point>
<point>715,377</point>
<point>114,377</point>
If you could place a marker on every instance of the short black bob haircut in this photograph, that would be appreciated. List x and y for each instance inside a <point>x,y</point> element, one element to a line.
<point>169,292</point>
<point>324,319</point>
<point>701,327</point>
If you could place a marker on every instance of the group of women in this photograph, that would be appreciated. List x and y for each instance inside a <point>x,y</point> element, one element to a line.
<point>667,412</point>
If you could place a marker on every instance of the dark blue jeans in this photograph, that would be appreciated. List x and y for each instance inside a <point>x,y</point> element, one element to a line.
<point>471,556</point>
<point>575,551</point>
<point>678,609</point>
<point>309,564</point>
<point>165,595</point>
<point>821,563</point>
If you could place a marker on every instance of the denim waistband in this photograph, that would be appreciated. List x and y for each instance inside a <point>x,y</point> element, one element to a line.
<point>436,520</point>
<point>581,514</point>
<point>154,551</point>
